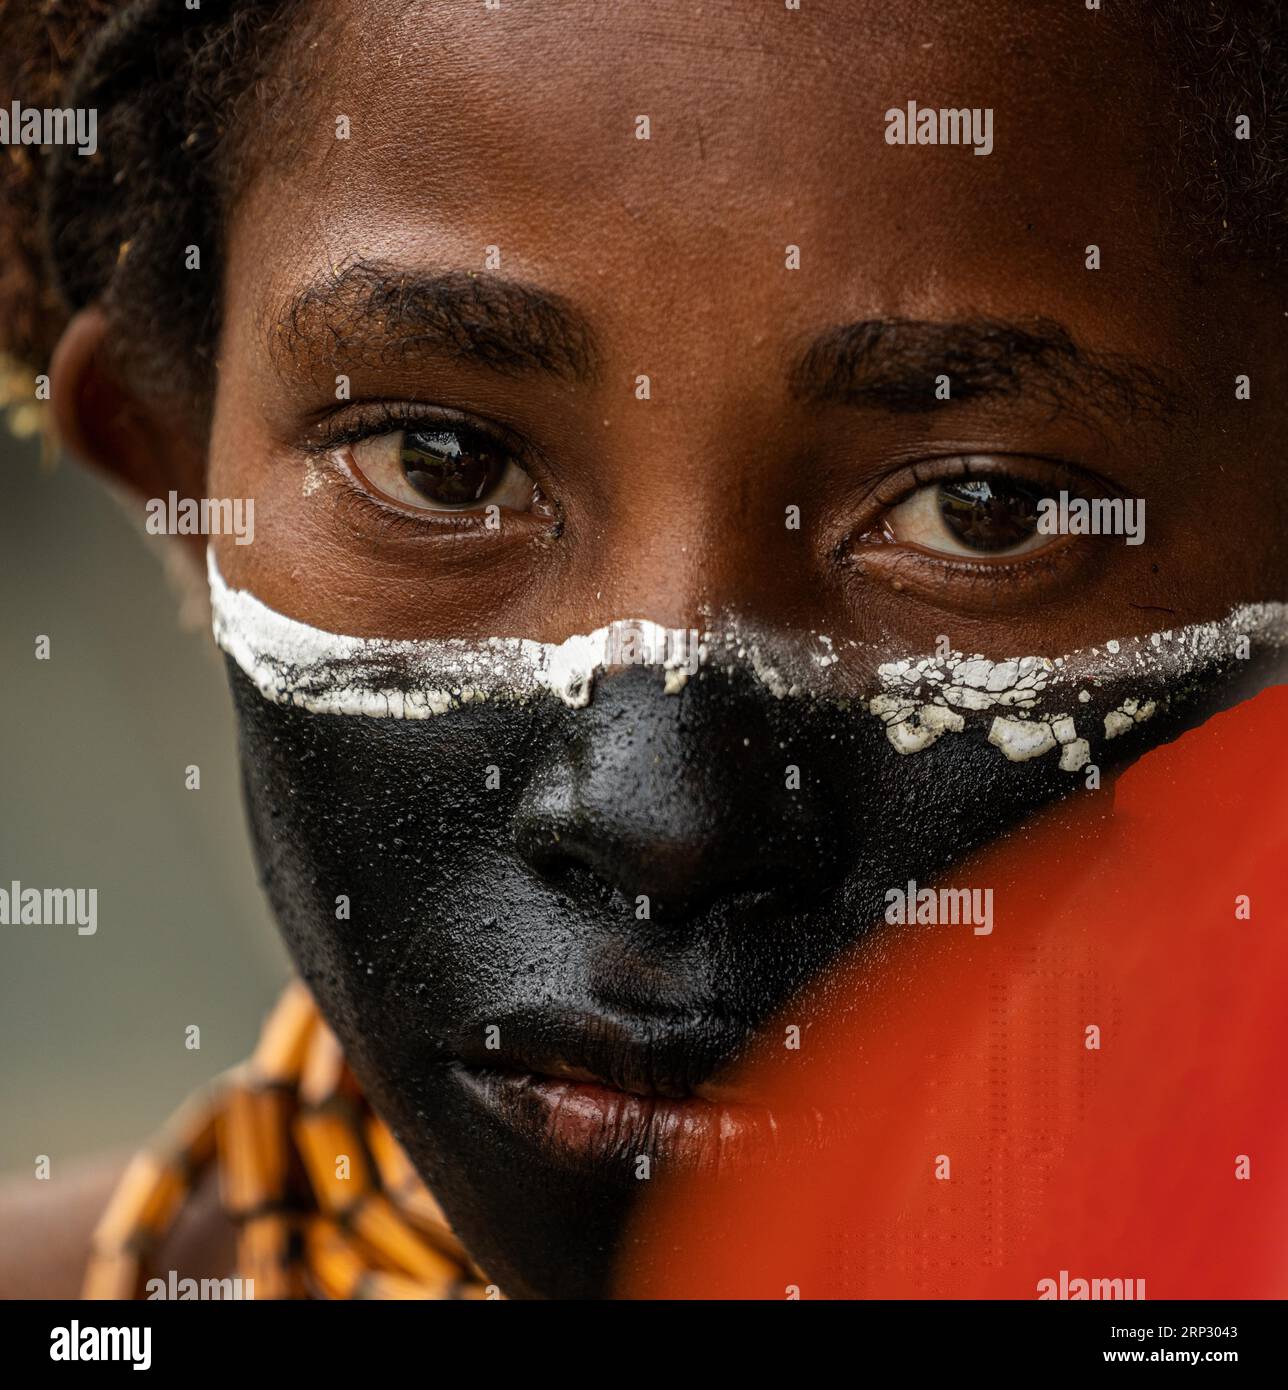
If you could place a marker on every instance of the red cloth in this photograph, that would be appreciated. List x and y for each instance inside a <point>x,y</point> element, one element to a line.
<point>1121,1162</point>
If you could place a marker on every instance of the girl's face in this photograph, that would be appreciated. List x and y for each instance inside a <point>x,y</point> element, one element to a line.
<point>553,316</point>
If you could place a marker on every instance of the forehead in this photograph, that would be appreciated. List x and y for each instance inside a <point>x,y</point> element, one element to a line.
<point>520,129</point>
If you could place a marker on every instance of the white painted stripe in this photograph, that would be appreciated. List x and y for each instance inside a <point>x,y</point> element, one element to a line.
<point>1032,704</point>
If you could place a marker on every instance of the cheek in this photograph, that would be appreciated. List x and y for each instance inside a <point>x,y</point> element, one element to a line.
<point>375,836</point>
<point>294,497</point>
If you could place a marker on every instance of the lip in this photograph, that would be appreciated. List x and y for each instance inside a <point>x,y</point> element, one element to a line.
<point>674,1056</point>
<point>590,1124</point>
<point>601,1092</point>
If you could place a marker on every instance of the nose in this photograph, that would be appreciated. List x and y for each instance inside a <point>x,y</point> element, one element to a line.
<point>682,800</point>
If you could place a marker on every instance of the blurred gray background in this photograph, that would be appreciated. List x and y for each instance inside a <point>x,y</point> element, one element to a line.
<point>92,756</point>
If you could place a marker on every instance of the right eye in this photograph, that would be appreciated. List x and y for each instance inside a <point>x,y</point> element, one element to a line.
<point>970,516</point>
<point>442,468</point>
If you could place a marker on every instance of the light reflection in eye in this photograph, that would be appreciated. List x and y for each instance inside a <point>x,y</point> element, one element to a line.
<point>442,468</point>
<point>970,517</point>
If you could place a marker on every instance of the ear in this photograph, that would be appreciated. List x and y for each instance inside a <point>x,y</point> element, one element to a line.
<point>149,446</point>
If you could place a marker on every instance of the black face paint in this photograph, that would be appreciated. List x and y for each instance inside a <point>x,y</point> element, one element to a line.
<point>577,880</point>
<point>624,891</point>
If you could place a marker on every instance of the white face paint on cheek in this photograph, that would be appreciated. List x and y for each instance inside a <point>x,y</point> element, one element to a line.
<point>1033,704</point>
<point>1037,704</point>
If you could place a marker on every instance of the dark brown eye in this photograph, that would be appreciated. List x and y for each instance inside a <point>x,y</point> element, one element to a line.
<point>997,515</point>
<point>990,515</point>
<point>442,469</point>
<point>449,469</point>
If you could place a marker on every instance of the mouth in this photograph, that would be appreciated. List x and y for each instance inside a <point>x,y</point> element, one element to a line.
<point>614,1097</point>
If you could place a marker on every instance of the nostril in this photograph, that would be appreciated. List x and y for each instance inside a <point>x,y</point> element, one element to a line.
<point>673,876</point>
<point>558,860</point>
<point>595,861</point>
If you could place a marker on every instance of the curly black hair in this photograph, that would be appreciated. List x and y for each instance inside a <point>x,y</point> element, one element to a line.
<point>185,98</point>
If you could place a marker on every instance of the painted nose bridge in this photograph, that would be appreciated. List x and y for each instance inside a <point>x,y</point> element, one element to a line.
<point>682,799</point>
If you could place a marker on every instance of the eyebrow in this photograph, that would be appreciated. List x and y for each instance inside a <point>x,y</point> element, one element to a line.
<point>892,365</point>
<point>371,313</point>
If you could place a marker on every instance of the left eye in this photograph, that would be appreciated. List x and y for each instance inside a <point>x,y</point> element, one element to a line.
<point>442,469</point>
<point>970,516</point>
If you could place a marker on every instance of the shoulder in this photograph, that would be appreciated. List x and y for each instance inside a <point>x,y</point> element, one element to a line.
<point>46,1228</point>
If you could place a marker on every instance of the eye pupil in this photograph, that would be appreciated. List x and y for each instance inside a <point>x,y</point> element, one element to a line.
<point>987,514</point>
<point>439,465</point>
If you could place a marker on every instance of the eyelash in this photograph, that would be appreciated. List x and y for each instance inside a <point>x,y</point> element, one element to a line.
<point>367,419</point>
<point>960,582</point>
<point>1030,468</point>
